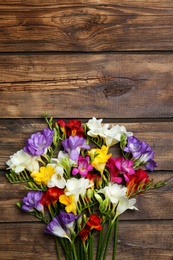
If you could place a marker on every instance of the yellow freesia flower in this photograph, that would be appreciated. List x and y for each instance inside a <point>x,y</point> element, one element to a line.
<point>99,158</point>
<point>69,201</point>
<point>43,176</point>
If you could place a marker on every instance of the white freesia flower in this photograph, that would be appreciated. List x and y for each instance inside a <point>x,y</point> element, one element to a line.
<point>111,135</point>
<point>114,192</point>
<point>124,204</point>
<point>77,187</point>
<point>20,161</point>
<point>95,127</point>
<point>61,157</point>
<point>57,178</point>
<point>117,195</point>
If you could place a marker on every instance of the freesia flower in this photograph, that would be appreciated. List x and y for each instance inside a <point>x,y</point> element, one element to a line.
<point>62,124</point>
<point>134,146</point>
<point>117,196</point>
<point>94,178</point>
<point>114,192</point>
<point>137,181</point>
<point>63,160</point>
<point>83,166</point>
<point>20,161</point>
<point>81,179</point>
<point>141,151</point>
<point>69,202</point>
<point>37,144</point>
<point>111,135</point>
<point>94,222</point>
<point>51,196</point>
<point>74,127</point>
<point>118,167</point>
<point>57,228</point>
<point>68,220</point>
<point>57,178</point>
<point>84,233</point>
<point>77,187</point>
<point>124,204</point>
<point>147,159</point>
<point>95,127</point>
<point>44,175</point>
<point>32,201</point>
<point>73,146</point>
<point>99,158</point>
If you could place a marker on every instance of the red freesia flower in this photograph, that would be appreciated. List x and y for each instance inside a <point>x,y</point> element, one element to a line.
<point>94,178</point>
<point>74,127</point>
<point>84,233</point>
<point>62,124</point>
<point>137,181</point>
<point>94,222</point>
<point>51,196</point>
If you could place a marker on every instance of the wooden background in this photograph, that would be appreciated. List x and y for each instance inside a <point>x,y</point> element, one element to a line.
<point>110,59</point>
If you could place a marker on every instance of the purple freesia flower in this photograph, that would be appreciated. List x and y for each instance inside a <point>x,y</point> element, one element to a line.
<point>36,145</point>
<point>147,159</point>
<point>32,201</point>
<point>62,225</point>
<point>73,145</point>
<point>68,219</point>
<point>83,166</point>
<point>134,146</point>
<point>141,151</point>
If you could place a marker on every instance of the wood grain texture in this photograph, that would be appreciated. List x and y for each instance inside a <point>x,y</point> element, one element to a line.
<point>77,59</point>
<point>20,240</point>
<point>86,26</point>
<point>82,85</point>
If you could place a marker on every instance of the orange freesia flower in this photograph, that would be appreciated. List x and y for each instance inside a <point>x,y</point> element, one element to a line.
<point>137,181</point>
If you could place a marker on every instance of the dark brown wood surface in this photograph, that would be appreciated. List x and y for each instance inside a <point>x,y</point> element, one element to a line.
<point>77,59</point>
<point>107,85</point>
<point>86,25</point>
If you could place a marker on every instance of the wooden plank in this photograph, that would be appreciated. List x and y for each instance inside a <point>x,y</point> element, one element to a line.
<point>153,204</point>
<point>145,240</point>
<point>159,135</point>
<point>83,85</point>
<point>86,25</point>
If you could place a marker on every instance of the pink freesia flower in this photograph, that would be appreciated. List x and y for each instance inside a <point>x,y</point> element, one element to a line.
<point>118,167</point>
<point>83,166</point>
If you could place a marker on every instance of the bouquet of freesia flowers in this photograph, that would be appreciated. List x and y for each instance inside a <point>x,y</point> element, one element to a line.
<point>77,187</point>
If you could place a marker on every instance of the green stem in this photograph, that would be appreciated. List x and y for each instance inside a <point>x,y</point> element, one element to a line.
<point>57,248</point>
<point>90,256</point>
<point>100,241</point>
<point>115,239</point>
<point>108,237</point>
<point>73,251</point>
<point>103,249</point>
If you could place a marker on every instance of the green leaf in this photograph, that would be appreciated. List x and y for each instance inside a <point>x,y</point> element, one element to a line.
<point>18,178</point>
<point>123,141</point>
<point>34,186</point>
